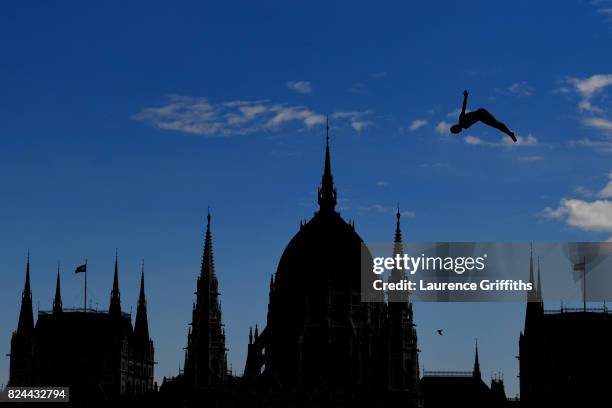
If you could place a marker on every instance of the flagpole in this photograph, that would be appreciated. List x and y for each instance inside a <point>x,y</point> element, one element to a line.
<point>85,297</point>
<point>584,283</point>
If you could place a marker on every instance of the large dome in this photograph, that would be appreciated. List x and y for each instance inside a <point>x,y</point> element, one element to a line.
<point>318,327</point>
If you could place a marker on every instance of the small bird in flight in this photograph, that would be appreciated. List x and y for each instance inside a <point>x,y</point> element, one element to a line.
<point>440,332</point>
<point>467,119</point>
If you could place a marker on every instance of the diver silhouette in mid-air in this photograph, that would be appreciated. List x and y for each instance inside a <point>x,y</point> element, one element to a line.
<point>467,119</point>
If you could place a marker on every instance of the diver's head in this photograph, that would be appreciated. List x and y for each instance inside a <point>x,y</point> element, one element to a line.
<point>455,129</point>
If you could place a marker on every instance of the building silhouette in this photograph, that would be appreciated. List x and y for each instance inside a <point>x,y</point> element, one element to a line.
<point>322,344</point>
<point>96,353</point>
<point>564,355</point>
<point>321,341</point>
<point>462,388</point>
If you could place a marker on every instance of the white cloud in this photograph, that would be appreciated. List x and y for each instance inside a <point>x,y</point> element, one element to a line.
<point>196,115</point>
<point>521,88</point>
<point>303,87</point>
<point>529,140</point>
<point>505,141</point>
<point>593,215</point>
<point>355,118</point>
<point>418,123</point>
<point>443,127</point>
<point>588,88</point>
<point>606,192</point>
<point>599,123</point>
<point>587,215</point>
<point>381,183</point>
<point>473,140</point>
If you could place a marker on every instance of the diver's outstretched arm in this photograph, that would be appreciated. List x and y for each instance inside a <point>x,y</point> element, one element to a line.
<point>465,96</point>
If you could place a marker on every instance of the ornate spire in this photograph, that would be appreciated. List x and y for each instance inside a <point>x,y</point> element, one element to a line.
<point>26,319</point>
<point>398,231</point>
<point>327,191</point>
<point>206,361</point>
<point>115,300</point>
<point>208,263</point>
<point>141,327</point>
<point>476,372</point>
<point>57,301</point>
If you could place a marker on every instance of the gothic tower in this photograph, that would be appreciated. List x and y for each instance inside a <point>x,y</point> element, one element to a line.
<point>142,345</point>
<point>22,339</point>
<point>403,360</point>
<point>206,355</point>
<point>114,310</point>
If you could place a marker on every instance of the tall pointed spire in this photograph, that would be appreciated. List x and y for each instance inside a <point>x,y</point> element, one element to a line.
<point>208,263</point>
<point>539,293</point>
<point>115,300</point>
<point>57,301</point>
<point>141,327</point>
<point>327,191</point>
<point>26,319</point>
<point>476,372</point>
<point>532,294</point>
<point>398,247</point>
<point>206,359</point>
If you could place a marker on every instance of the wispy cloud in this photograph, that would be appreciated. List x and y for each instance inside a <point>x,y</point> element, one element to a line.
<point>303,87</point>
<point>599,123</point>
<point>199,116</point>
<point>588,88</point>
<point>595,215</point>
<point>381,183</point>
<point>442,128</point>
<point>358,120</point>
<point>472,140</point>
<point>602,145</point>
<point>521,141</point>
<point>358,88</point>
<point>418,123</point>
<point>521,88</point>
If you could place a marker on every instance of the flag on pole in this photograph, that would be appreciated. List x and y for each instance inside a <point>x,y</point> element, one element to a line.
<point>579,267</point>
<point>81,268</point>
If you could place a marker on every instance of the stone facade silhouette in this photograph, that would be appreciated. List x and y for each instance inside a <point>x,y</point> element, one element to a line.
<point>564,354</point>
<point>96,353</point>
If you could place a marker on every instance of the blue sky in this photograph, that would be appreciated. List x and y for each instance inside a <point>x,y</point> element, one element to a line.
<point>120,123</point>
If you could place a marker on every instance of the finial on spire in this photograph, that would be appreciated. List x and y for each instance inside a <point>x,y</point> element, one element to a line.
<point>208,216</point>
<point>327,192</point>
<point>327,128</point>
<point>398,230</point>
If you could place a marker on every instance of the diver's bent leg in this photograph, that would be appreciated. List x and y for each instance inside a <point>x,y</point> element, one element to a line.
<point>485,117</point>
